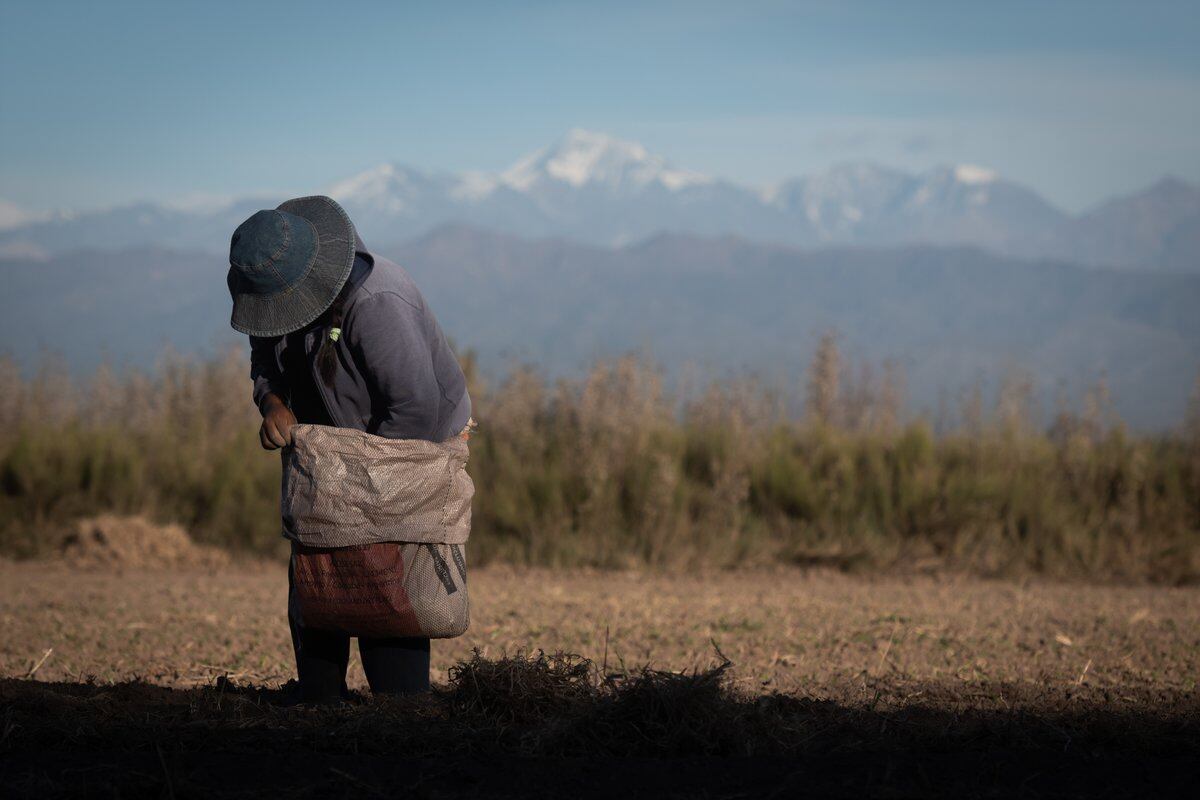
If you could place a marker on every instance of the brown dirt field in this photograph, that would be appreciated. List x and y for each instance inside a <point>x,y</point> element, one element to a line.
<point>785,630</point>
<point>941,686</point>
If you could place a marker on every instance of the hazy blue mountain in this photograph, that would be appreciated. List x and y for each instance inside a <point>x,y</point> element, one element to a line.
<point>137,226</point>
<point>124,306</point>
<point>872,205</point>
<point>597,189</point>
<point>844,202</point>
<point>952,316</point>
<point>1158,228</point>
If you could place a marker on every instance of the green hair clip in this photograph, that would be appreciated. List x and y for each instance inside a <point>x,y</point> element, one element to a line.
<point>335,334</point>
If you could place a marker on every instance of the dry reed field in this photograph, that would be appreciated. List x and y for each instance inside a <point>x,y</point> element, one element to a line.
<point>615,470</point>
<point>713,683</point>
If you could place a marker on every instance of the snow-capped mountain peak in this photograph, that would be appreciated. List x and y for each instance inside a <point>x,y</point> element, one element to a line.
<point>597,188</point>
<point>12,215</point>
<point>583,158</point>
<point>837,201</point>
<point>377,185</point>
<point>955,186</point>
<point>393,189</point>
<point>973,174</point>
<point>958,177</point>
<point>474,185</point>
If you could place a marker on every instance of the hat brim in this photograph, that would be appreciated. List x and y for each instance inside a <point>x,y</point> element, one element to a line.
<point>310,296</point>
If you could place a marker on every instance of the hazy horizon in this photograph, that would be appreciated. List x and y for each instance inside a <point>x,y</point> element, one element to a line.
<point>144,102</point>
<point>12,214</point>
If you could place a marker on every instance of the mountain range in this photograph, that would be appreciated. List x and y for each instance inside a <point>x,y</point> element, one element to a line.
<point>951,317</point>
<point>594,246</point>
<point>596,189</point>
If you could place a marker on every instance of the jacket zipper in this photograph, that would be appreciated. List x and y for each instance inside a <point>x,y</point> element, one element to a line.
<point>312,366</point>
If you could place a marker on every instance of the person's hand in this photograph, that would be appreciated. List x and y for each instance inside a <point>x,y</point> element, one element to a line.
<point>278,419</point>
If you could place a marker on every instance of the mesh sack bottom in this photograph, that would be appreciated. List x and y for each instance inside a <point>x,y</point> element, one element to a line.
<point>382,589</point>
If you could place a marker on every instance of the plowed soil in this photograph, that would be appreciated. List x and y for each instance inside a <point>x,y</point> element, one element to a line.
<point>166,682</point>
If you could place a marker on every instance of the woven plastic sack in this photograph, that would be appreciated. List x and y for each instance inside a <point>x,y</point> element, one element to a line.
<point>379,530</point>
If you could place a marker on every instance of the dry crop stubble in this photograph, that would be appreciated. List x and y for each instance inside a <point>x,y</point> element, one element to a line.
<point>791,630</point>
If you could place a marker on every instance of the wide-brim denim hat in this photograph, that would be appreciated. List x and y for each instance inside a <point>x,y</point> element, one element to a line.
<point>287,265</point>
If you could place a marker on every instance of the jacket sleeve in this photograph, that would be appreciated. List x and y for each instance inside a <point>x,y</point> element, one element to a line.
<point>264,370</point>
<point>388,337</point>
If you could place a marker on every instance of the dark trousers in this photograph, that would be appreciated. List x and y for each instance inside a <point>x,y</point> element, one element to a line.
<point>398,665</point>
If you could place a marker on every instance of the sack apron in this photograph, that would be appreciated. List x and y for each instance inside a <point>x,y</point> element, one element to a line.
<point>379,530</point>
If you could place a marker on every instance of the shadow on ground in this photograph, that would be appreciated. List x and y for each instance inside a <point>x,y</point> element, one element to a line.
<point>547,725</point>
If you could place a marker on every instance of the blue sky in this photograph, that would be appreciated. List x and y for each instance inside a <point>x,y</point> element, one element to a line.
<point>107,103</point>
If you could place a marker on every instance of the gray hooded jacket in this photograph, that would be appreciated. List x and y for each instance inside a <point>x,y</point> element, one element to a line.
<point>396,375</point>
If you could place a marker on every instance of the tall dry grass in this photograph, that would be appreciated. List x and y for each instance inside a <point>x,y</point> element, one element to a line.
<point>613,470</point>
<point>175,444</point>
